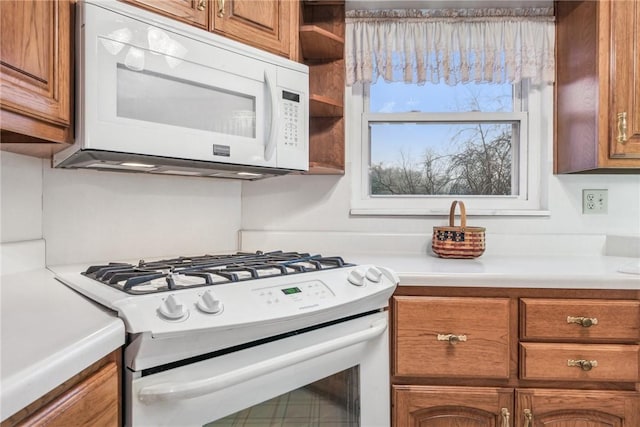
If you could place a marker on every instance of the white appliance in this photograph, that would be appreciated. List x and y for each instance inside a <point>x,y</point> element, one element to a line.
<point>159,96</point>
<point>249,338</point>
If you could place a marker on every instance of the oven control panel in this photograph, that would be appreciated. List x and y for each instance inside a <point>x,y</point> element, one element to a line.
<point>277,304</point>
<point>301,294</point>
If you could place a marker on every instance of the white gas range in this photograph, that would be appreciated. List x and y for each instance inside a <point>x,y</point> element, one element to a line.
<point>213,336</point>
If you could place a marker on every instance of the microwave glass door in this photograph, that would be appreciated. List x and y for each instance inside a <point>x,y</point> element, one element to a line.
<point>152,91</point>
<point>146,95</point>
<point>330,402</point>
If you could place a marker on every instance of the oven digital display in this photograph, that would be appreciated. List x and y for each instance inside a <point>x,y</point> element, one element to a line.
<point>290,96</point>
<point>289,291</point>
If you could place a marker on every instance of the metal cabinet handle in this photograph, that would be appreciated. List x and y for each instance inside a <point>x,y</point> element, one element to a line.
<point>585,365</point>
<point>505,417</point>
<point>622,128</point>
<point>583,321</point>
<point>220,8</point>
<point>528,418</point>
<point>452,338</point>
<point>202,4</point>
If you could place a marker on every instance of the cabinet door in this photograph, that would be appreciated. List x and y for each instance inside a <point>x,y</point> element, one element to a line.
<point>625,78</point>
<point>576,408</point>
<point>265,24</point>
<point>192,12</point>
<point>35,69</point>
<point>427,406</point>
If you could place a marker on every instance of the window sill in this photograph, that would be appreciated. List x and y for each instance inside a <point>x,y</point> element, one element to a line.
<point>445,212</point>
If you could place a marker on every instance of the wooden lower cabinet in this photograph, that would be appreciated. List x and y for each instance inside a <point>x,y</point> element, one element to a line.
<point>90,398</point>
<point>92,402</point>
<point>576,408</point>
<point>499,357</point>
<point>431,406</point>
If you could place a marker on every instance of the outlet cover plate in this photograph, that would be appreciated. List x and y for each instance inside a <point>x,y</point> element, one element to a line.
<point>595,201</point>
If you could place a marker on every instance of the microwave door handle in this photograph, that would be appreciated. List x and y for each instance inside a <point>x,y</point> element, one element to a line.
<point>269,148</point>
<point>170,391</point>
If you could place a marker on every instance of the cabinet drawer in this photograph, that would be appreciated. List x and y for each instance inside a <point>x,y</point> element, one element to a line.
<point>559,319</point>
<point>550,361</point>
<point>420,338</point>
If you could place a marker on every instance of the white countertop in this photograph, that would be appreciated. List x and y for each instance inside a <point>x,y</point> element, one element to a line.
<point>49,333</point>
<point>562,272</point>
<point>524,261</point>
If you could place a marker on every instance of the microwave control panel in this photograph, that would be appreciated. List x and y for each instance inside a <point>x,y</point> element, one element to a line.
<point>290,112</point>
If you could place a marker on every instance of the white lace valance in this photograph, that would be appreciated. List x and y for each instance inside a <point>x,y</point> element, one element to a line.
<point>451,46</point>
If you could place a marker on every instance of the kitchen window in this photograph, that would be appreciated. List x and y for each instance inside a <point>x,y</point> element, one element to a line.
<point>444,123</point>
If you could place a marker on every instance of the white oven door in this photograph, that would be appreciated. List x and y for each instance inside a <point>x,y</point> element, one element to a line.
<point>146,89</point>
<point>336,375</point>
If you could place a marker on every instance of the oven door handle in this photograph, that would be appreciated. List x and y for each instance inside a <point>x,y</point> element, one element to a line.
<point>190,389</point>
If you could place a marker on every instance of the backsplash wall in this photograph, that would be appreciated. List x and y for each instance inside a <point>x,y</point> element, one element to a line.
<point>89,216</point>
<point>321,203</point>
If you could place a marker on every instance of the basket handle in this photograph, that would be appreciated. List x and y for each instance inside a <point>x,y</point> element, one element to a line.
<point>463,213</point>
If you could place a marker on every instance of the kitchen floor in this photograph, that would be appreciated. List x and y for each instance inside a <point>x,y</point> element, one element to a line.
<point>299,408</point>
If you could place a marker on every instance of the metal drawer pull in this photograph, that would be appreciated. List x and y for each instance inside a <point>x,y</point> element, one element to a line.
<point>452,338</point>
<point>505,417</point>
<point>585,365</point>
<point>202,4</point>
<point>220,8</point>
<point>622,128</point>
<point>528,418</point>
<point>583,321</point>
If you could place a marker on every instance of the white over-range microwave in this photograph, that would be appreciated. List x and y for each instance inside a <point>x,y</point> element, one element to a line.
<point>154,95</point>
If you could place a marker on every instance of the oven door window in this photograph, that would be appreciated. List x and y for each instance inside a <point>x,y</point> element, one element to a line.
<point>330,402</point>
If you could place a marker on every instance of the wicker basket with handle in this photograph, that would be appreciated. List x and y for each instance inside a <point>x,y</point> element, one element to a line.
<point>458,241</point>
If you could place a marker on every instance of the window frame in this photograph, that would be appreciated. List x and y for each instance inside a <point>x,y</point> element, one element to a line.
<point>534,130</point>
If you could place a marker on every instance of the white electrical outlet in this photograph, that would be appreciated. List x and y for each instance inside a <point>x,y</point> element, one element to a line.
<point>594,201</point>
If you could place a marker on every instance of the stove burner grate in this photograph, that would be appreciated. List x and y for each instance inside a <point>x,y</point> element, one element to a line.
<point>206,270</point>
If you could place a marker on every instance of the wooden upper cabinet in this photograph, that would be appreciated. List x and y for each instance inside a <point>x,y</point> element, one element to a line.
<point>194,12</point>
<point>597,86</point>
<point>625,79</point>
<point>271,25</point>
<point>35,74</point>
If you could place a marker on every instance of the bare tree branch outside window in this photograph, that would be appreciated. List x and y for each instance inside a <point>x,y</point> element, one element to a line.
<point>457,158</point>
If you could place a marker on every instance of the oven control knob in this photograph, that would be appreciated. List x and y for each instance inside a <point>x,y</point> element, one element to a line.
<point>209,304</point>
<point>171,308</point>
<point>356,277</point>
<point>373,274</point>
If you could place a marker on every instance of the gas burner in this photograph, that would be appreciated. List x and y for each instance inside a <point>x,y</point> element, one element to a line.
<point>206,270</point>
